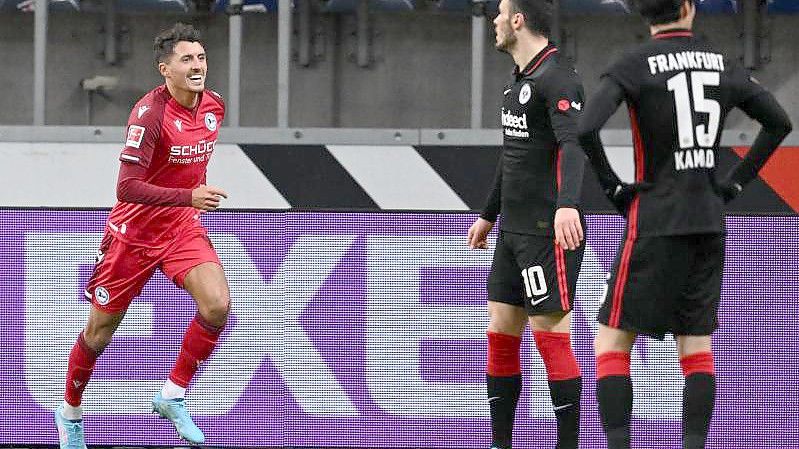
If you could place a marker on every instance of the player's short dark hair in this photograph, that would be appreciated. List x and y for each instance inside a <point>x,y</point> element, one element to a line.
<point>657,12</point>
<point>537,14</point>
<point>164,45</point>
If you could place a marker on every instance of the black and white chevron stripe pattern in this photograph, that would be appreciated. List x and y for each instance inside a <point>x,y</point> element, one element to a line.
<point>378,177</point>
<point>430,177</point>
<point>315,177</point>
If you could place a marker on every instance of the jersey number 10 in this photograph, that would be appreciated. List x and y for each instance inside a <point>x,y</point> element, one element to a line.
<point>705,135</point>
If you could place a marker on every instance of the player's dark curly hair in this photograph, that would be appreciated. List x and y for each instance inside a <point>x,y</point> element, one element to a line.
<point>537,14</point>
<point>657,12</point>
<point>164,45</point>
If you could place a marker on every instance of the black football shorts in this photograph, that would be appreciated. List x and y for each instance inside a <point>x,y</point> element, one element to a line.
<point>533,272</point>
<point>666,284</point>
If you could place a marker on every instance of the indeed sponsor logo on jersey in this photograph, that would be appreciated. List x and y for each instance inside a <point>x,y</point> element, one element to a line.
<point>515,125</point>
<point>696,158</point>
<point>185,154</point>
<point>685,60</point>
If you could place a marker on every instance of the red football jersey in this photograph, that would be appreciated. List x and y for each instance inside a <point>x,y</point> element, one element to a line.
<point>174,144</point>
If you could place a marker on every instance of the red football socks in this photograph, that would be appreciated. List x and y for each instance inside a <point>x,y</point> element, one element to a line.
<point>565,384</point>
<point>503,354</point>
<point>198,343</point>
<point>81,365</point>
<point>556,351</point>
<point>700,362</point>
<point>699,396</point>
<point>613,364</point>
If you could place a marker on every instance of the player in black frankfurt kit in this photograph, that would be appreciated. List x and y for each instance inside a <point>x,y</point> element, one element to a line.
<point>667,276</point>
<point>539,251</point>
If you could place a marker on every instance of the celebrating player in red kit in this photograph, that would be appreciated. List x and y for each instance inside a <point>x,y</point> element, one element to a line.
<point>161,190</point>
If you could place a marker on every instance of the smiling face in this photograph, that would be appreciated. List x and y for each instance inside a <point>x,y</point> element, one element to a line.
<point>503,27</point>
<point>185,69</point>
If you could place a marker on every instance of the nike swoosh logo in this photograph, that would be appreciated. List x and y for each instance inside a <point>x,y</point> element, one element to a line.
<point>493,398</point>
<point>561,407</point>
<point>506,92</point>
<point>538,301</point>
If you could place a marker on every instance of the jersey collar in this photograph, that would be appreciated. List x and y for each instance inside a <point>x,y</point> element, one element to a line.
<point>673,33</point>
<point>537,60</point>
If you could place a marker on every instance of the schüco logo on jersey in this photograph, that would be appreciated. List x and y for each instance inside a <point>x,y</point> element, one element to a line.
<point>187,154</point>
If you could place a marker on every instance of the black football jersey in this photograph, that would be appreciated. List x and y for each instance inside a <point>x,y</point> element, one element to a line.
<point>679,90</point>
<point>541,166</point>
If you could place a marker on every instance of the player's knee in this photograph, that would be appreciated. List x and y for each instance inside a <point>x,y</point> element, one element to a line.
<point>553,322</point>
<point>100,329</point>
<point>504,319</point>
<point>687,345</point>
<point>613,340</point>
<point>97,338</point>
<point>216,311</point>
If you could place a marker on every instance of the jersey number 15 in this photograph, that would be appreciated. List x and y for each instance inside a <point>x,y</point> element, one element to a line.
<point>705,135</point>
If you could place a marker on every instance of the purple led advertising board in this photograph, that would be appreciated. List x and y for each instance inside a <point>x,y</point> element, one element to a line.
<point>367,330</point>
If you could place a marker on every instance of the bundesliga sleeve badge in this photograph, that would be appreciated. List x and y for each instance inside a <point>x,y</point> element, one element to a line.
<point>135,136</point>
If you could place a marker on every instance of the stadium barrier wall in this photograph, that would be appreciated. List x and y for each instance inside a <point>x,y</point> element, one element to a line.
<point>366,330</point>
<point>322,168</point>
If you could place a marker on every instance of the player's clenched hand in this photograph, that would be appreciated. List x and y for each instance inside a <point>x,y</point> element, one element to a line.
<point>207,198</point>
<point>728,190</point>
<point>568,229</point>
<point>478,233</point>
<point>621,195</point>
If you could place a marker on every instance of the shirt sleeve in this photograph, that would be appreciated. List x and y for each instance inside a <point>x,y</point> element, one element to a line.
<point>755,101</point>
<point>494,200</point>
<point>143,132</point>
<point>764,108</point>
<point>744,86</point>
<point>563,96</point>
<point>132,188</point>
<point>597,112</point>
<point>623,71</point>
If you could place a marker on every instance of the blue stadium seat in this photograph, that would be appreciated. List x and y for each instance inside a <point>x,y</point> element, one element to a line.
<point>717,6</point>
<point>466,5</point>
<point>593,6</point>
<point>783,6</point>
<point>339,6</point>
<point>220,6</point>
<point>604,6</point>
<point>566,6</point>
<point>152,6</point>
<point>27,5</point>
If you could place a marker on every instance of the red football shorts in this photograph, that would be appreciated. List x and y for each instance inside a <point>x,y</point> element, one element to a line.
<point>122,270</point>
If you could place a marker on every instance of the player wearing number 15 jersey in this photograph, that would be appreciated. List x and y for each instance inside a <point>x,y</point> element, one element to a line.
<point>667,276</point>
